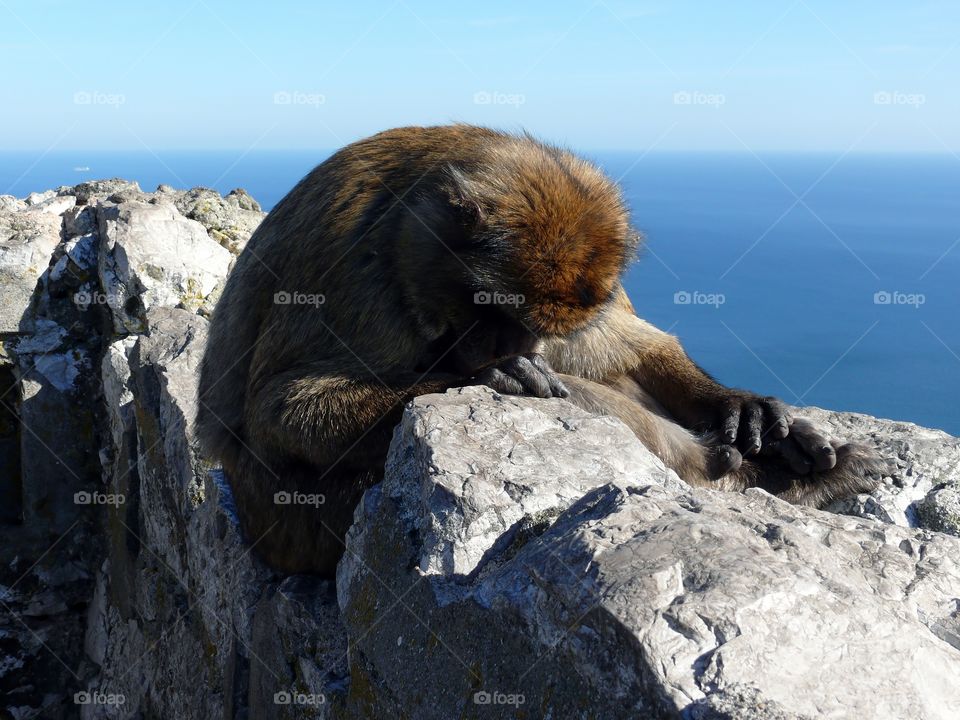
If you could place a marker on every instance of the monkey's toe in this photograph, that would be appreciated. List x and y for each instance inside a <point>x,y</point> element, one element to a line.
<point>500,381</point>
<point>724,459</point>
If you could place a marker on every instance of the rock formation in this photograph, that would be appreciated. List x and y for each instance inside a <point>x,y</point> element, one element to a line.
<point>521,558</point>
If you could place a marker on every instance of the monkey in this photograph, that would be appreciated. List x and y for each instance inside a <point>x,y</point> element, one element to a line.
<point>428,258</point>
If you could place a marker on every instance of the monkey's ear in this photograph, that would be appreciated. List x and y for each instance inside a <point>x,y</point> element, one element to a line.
<point>465,197</point>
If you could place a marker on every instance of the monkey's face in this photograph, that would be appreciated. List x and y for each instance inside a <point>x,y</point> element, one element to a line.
<point>553,273</point>
<point>540,240</point>
<point>550,237</point>
<point>492,334</point>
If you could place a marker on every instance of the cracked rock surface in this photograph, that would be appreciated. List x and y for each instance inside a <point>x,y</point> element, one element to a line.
<point>641,596</point>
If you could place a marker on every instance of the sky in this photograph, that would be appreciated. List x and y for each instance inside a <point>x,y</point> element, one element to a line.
<point>803,75</point>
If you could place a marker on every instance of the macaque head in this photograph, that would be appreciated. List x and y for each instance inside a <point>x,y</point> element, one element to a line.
<point>549,237</point>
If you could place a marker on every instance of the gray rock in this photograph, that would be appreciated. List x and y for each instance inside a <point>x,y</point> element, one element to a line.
<point>27,241</point>
<point>132,540</point>
<point>48,455</point>
<point>550,454</point>
<point>151,256</point>
<point>192,624</point>
<point>50,205</point>
<point>8,203</point>
<point>37,198</point>
<point>89,192</point>
<point>642,597</point>
<point>80,220</point>
<point>940,509</point>
<point>922,459</point>
<point>738,702</point>
<point>242,199</point>
<point>230,220</point>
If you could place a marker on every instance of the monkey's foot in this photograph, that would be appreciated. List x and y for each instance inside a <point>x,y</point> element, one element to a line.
<point>857,469</point>
<point>805,450</point>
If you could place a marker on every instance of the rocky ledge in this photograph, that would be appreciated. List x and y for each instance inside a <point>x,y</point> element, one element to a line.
<point>521,558</point>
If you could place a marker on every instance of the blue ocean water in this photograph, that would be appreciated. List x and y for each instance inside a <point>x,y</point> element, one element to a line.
<point>824,279</point>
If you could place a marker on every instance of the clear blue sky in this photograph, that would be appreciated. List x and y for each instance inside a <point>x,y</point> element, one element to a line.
<point>795,75</point>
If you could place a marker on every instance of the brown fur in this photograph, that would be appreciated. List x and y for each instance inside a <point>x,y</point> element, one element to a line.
<point>398,233</point>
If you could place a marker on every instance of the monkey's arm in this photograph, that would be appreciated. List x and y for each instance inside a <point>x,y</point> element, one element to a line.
<point>329,416</point>
<point>698,402</point>
<point>619,343</point>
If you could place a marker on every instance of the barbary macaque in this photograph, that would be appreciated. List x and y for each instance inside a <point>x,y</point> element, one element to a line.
<point>412,238</point>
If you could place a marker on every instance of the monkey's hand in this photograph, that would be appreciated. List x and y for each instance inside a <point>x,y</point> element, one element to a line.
<point>527,374</point>
<point>749,421</point>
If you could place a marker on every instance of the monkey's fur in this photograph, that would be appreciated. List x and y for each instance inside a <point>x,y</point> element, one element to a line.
<point>398,233</point>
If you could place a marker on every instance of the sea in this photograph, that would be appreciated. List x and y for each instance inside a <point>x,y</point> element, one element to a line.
<point>825,279</point>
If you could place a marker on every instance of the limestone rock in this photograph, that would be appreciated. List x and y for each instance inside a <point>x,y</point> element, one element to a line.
<point>183,618</point>
<point>37,198</point>
<point>8,203</point>
<point>89,193</point>
<point>642,597</point>
<point>230,220</point>
<point>940,509</point>
<point>922,460</point>
<point>151,256</point>
<point>27,240</point>
<point>126,587</point>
